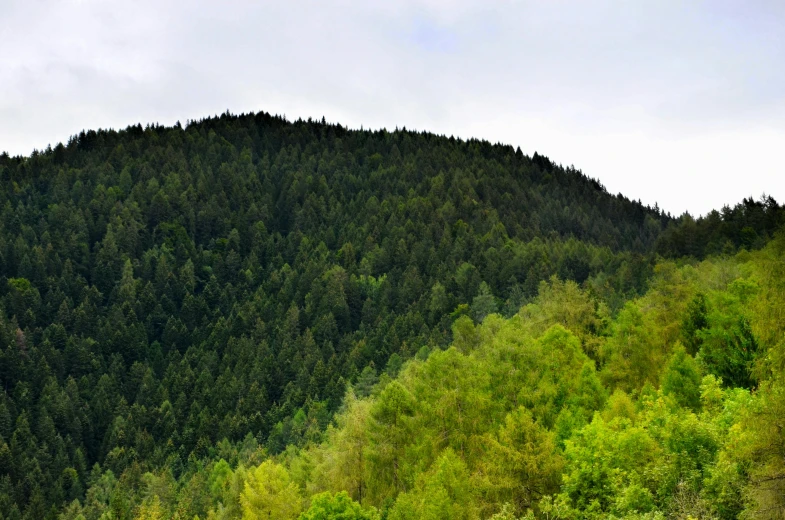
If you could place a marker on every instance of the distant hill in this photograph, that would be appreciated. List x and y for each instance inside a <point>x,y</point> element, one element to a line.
<point>166,288</point>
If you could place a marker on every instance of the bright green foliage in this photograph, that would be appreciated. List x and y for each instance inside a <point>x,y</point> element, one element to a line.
<point>606,468</point>
<point>563,302</point>
<point>621,406</point>
<point>151,510</point>
<point>465,337</point>
<point>270,493</point>
<point>634,353</point>
<point>506,513</point>
<point>589,394</point>
<point>750,474</point>
<point>766,490</point>
<point>219,478</point>
<point>522,463</point>
<point>681,379</point>
<point>341,462</point>
<point>390,430</point>
<point>326,506</point>
<point>620,468</point>
<point>444,492</point>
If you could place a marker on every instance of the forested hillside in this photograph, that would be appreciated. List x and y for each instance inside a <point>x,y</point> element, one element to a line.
<point>670,409</point>
<point>185,309</point>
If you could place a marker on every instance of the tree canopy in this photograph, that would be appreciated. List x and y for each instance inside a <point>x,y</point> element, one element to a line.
<point>246,316</point>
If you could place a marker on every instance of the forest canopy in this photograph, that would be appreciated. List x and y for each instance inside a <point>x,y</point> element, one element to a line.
<point>246,317</point>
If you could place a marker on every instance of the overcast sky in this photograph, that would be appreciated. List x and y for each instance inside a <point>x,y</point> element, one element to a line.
<point>681,103</point>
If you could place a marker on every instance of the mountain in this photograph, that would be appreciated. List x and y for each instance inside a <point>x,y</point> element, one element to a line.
<point>177,296</point>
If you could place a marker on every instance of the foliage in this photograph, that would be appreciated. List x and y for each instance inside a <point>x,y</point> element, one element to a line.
<point>248,317</point>
<point>166,288</point>
<point>270,493</point>
<point>326,506</point>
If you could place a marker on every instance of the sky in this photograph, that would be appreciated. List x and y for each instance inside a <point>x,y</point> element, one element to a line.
<point>676,103</point>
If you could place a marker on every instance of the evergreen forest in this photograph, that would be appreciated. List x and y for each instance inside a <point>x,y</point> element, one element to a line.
<point>246,317</point>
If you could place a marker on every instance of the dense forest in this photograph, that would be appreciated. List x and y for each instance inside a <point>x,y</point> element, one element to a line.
<point>246,317</point>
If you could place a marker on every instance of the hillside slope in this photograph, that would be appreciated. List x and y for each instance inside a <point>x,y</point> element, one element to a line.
<point>170,292</point>
<point>670,409</point>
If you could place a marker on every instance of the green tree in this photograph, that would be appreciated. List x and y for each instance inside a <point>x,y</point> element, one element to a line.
<point>445,492</point>
<point>728,350</point>
<point>633,354</point>
<point>326,506</point>
<point>681,379</point>
<point>341,462</point>
<point>270,493</point>
<point>484,303</point>
<point>523,463</point>
<point>390,431</point>
<point>694,321</point>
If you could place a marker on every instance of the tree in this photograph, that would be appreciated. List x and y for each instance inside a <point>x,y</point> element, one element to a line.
<point>270,493</point>
<point>151,510</point>
<point>390,433</point>
<point>728,350</point>
<point>681,379</point>
<point>366,381</point>
<point>326,506</point>
<point>632,355</point>
<point>761,448</point>
<point>607,462</point>
<point>484,303</point>
<point>522,461</point>
<point>694,321</point>
<point>341,461</point>
<point>445,492</point>
<point>174,296</point>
